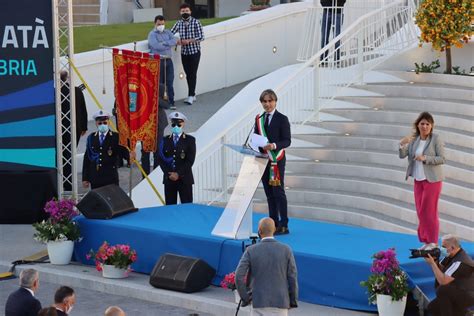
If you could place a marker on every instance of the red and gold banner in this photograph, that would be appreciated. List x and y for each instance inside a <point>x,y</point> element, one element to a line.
<point>136,94</point>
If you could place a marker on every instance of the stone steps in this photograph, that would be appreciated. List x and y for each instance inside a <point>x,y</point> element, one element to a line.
<point>383,208</point>
<point>451,169</point>
<point>412,104</point>
<point>420,90</point>
<point>450,135</point>
<point>462,122</point>
<point>458,209</point>
<point>349,171</point>
<point>375,172</point>
<point>453,153</point>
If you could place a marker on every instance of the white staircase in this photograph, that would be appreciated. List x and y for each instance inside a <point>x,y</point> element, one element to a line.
<point>353,175</point>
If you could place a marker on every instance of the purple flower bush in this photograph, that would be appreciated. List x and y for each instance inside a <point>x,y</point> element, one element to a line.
<point>60,225</point>
<point>387,277</point>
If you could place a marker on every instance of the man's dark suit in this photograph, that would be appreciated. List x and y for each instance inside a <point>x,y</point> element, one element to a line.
<point>60,312</point>
<point>279,133</point>
<point>100,161</point>
<point>22,303</point>
<point>180,159</point>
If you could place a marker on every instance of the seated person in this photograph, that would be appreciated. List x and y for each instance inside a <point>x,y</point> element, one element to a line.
<point>454,280</point>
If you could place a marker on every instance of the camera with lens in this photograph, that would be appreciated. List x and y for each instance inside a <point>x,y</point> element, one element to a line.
<point>253,239</point>
<point>422,253</point>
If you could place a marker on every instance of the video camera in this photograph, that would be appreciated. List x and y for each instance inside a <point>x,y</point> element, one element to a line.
<point>253,238</point>
<point>421,253</point>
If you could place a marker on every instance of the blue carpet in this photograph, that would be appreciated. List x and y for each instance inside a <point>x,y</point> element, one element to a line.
<point>331,259</point>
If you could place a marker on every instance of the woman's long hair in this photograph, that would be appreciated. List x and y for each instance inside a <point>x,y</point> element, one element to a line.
<point>423,116</point>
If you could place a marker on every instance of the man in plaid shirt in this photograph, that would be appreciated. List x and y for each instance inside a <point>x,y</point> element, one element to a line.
<point>191,34</point>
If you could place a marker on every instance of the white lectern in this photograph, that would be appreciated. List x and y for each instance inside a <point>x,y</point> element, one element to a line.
<point>236,220</point>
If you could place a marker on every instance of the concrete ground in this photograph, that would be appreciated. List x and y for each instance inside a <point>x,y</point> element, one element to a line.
<point>90,302</point>
<point>134,294</point>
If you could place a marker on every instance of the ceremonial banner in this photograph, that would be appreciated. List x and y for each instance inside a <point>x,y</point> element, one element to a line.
<point>136,94</point>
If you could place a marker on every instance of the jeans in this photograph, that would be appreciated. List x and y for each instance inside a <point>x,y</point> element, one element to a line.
<point>167,65</point>
<point>331,18</point>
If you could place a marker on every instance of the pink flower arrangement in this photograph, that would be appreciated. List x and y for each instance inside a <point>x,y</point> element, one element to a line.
<point>120,256</point>
<point>229,281</point>
<point>387,277</point>
<point>62,210</point>
<point>60,225</point>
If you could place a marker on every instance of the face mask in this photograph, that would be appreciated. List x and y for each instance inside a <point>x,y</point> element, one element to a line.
<point>444,252</point>
<point>176,130</point>
<point>68,311</point>
<point>185,16</point>
<point>160,28</point>
<point>103,128</point>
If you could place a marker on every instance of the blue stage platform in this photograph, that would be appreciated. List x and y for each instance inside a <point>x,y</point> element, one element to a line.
<point>331,259</point>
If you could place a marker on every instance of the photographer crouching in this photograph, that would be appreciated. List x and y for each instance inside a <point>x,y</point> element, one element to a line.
<point>454,280</point>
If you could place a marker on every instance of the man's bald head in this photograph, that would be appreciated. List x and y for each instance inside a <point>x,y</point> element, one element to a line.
<point>266,227</point>
<point>114,311</point>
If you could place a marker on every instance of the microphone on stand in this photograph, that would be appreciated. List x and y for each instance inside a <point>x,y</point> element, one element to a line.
<point>245,145</point>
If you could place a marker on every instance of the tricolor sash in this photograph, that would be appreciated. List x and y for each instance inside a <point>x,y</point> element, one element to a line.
<point>273,155</point>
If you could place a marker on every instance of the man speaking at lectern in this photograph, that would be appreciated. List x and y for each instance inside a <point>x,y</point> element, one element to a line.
<point>276,128</point>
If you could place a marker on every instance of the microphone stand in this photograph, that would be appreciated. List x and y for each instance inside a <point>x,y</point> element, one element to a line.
<point>245,144</point>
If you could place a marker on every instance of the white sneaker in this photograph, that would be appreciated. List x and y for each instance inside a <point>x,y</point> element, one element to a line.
<point>194,98</point>
<point>431,246</point>
<point>189,100</point>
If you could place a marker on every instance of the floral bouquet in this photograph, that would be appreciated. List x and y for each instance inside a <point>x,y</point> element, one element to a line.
<point>387,277</point>
<point>120,256</point>
<point>229,281</point>
<point>60,225</point>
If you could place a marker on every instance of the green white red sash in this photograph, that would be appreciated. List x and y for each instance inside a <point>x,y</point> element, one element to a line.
<point>273,155</point>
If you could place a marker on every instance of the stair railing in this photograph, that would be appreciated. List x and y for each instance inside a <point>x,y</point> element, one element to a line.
<point>370,40</point>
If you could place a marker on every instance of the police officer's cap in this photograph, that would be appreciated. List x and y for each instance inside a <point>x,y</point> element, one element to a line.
<point>177,116</point>
<point>101,115</point>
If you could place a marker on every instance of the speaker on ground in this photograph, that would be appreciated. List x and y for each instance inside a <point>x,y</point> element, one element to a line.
<point>106,202</point>
<point>183,274</point>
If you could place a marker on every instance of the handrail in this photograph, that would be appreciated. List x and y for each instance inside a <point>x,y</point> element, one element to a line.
<point>305,65</point>
<point>369,40</point>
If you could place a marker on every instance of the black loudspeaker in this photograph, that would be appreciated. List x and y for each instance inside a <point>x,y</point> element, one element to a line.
<point>106,202</point>
<point>183,274</point>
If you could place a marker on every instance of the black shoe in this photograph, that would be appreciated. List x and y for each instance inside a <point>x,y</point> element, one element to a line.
<point>282,231</point>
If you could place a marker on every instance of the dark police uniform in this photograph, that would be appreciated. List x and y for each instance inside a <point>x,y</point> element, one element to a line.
<point>178,158</point>
<point>100,161</point>
<point>454,298</point>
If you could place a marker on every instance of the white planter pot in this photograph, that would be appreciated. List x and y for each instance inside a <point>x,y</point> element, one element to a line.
<point>60,252</point>
<point>112,272</point>
<point>387,307</point>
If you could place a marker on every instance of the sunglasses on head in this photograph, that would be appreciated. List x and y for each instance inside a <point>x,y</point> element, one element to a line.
<point>102,123</point>
<point>176,124</point>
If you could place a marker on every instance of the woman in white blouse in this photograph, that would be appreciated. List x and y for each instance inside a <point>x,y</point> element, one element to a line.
<point>425,152</point>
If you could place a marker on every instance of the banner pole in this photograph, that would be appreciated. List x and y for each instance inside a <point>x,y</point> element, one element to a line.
<point>114,128</point>
<point>130,175</point>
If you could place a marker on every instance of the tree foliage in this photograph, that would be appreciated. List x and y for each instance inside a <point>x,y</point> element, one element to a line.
<point>444,24</point>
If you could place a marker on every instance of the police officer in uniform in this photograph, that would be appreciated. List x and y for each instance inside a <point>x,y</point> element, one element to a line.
<point>177,154</point>
<point>100,159</point>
